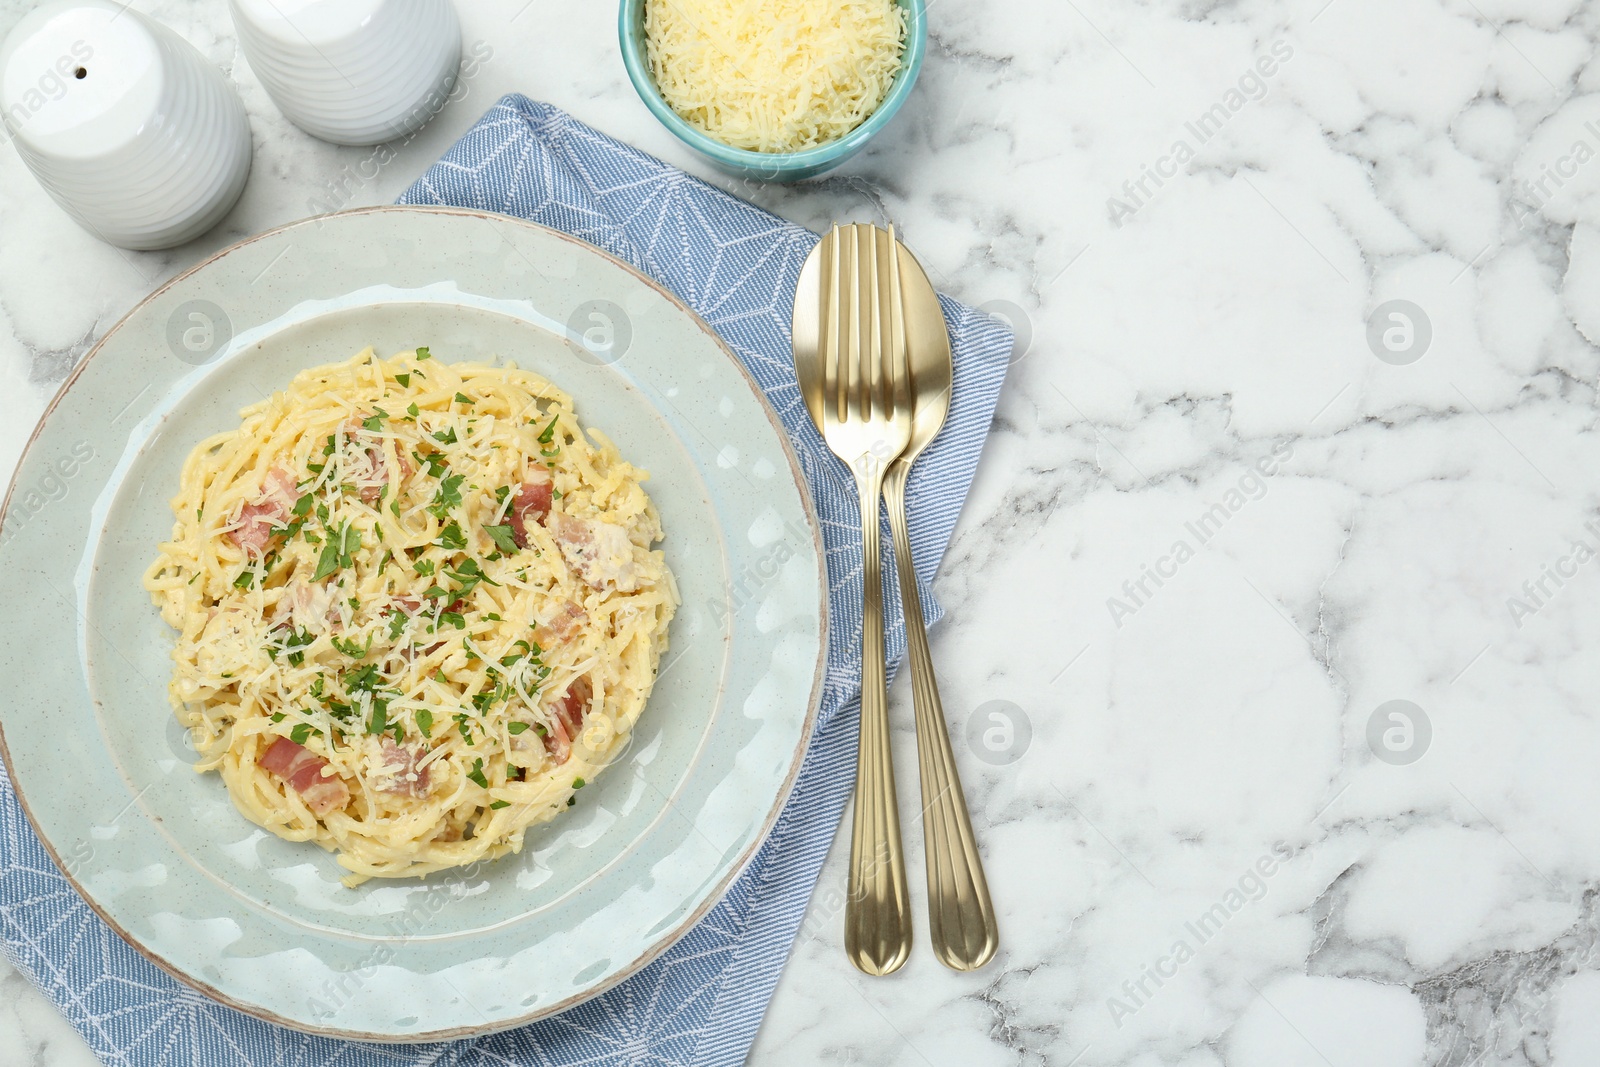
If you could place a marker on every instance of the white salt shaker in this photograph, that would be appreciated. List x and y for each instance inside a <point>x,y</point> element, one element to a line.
<point>354,72</point>
<point>123,122</point>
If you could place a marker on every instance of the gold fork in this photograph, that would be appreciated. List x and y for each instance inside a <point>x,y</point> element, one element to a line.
<point>866,420</point>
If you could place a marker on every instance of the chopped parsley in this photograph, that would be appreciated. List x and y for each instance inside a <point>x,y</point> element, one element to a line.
<point>449,495</point>
<point>365,680</point>
<point>469,574</point>
<point>578,783</point>
<point>463,398</point>
<point>423,353</point>
<point>511,660</point>
<point>302,731</point>
<point>476,774</point>
<point>433,461</point>
<point>516,727</point>
<point>451,536</point>
<point>375,421</point>
<point>337,553</point>
<point>298,639</point>
<point>501,536</point>
<point>379,721</point>
<point>425,722</point>
<point>497,805</point>
<point>405,382</point>
<point>446,436</point>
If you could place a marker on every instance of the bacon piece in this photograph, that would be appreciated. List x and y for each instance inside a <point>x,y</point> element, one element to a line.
<point>532,501</point>
<point>371,493</point>
<point>569,710</point>
<point>308,606</point>
<point>562,627</point>
<point>398,772</point>
<point>258,521</point>
<point>302,769</point>
<point>601,552</point>
<point>377,474</point>
<point>378,464</point>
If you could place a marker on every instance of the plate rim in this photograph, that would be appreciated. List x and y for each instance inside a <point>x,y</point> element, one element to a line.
<point>808,727</point>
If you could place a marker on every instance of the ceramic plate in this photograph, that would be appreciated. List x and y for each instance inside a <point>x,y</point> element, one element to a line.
<point>262,924</point>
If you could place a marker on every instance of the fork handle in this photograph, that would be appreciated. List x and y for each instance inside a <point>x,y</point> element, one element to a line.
<point>961,920</point>
<point>877,917</point>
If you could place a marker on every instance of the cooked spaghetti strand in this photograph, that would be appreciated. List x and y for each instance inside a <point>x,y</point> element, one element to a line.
<point>417,609</point>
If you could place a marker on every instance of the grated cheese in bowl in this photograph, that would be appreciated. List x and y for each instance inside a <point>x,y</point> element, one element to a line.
<point>774,75</point>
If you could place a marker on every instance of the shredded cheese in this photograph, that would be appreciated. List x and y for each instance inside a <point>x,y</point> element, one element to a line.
<point>774,75</point>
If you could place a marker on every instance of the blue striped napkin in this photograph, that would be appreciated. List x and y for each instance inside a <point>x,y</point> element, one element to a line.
<point>700,1002</point>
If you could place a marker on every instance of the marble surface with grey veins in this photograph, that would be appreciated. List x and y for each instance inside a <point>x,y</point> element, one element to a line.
<point>1272,629</point>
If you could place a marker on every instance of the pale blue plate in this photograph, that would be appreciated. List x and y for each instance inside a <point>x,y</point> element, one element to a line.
<point>262,924</point>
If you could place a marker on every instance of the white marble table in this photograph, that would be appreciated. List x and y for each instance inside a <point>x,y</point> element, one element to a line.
<point>1213,533</point>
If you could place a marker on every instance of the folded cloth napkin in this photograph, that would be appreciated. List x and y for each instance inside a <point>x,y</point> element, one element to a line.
<point>700,1002</point>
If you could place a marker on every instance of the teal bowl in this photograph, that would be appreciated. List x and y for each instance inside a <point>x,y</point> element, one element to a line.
<point>772,166</point>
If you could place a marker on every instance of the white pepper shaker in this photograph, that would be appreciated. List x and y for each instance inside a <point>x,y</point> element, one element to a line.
<point>123,122</point>
<point>354,72</point>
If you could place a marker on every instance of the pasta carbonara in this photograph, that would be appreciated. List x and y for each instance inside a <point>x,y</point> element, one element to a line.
<point>417,609</point>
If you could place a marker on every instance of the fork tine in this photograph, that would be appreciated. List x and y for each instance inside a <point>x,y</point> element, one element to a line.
<point>832,395</point>
<point>853,393</point>
<point>874,324</point>
<point>899,351</point>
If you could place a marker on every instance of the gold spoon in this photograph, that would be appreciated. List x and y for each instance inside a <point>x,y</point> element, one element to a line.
<point>961,919</point>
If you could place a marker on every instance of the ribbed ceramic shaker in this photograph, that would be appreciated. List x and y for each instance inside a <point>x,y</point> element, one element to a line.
<point>354,72</point>
<point>123,122</point>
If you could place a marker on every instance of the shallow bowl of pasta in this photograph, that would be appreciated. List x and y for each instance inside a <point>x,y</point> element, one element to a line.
<point>435,616</point>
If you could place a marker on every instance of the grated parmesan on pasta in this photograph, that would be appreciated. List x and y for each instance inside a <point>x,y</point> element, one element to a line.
<point>774,75</point>
<point>417,608</point>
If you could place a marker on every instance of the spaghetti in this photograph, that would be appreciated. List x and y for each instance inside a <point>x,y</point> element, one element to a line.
<point>417,609</point>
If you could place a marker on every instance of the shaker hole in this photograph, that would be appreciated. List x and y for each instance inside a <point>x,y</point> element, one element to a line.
<point>81,73</point>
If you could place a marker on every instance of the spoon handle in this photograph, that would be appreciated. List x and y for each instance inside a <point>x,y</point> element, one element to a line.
<point>877,918</point>
<point>961,920</point>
